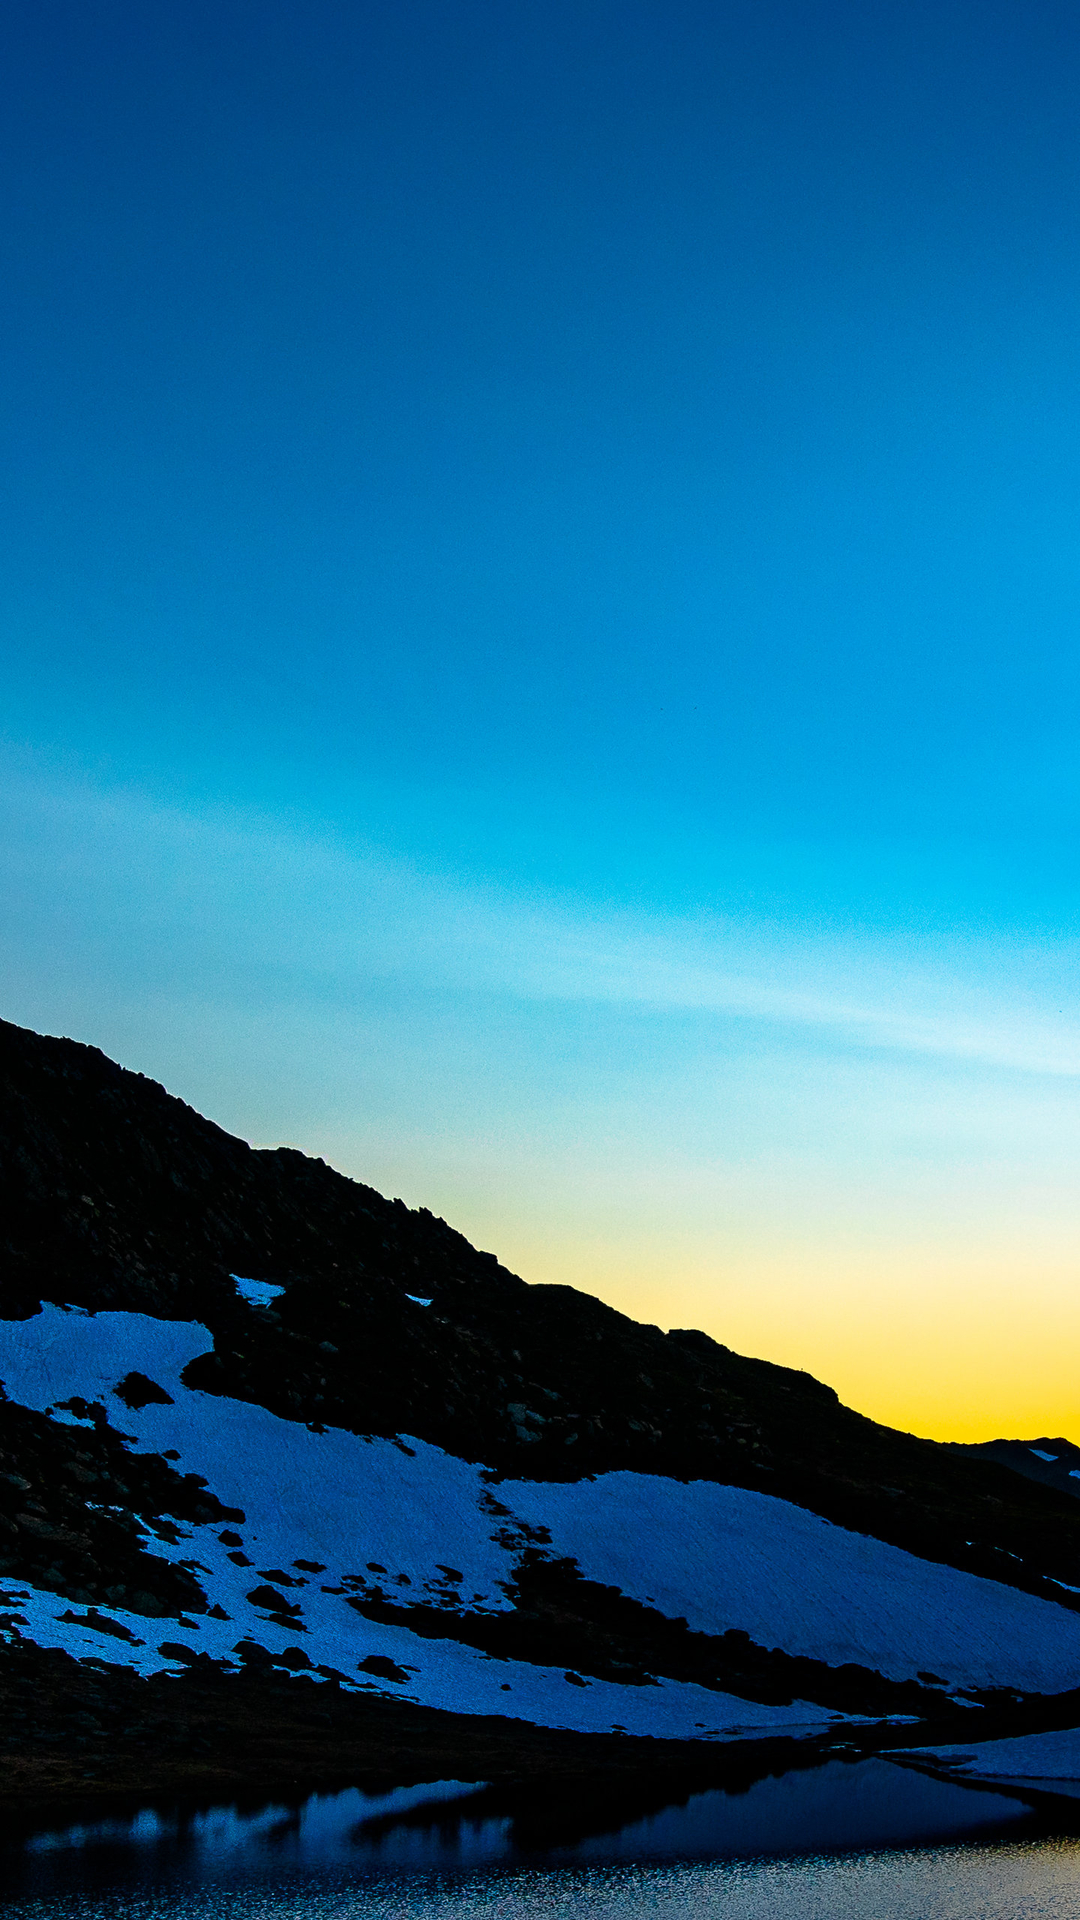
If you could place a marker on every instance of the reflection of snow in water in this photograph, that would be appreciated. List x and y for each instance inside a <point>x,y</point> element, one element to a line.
<point>325,1822</point>
<point>445,1825</point>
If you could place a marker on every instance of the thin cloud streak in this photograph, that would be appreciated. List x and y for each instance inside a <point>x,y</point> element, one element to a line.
<point>292,913</point>
<point>703,969</point>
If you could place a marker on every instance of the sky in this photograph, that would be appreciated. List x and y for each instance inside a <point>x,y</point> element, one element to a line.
<point>539,575</point>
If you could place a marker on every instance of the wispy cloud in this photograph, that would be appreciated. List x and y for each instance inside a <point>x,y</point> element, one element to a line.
<point>185,897</point>
<point>975,1005</point>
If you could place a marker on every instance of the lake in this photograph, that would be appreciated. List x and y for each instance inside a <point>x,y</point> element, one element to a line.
<point>863,1839</point>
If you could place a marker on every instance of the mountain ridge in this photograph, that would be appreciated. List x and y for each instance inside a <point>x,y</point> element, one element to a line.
<point>262,1424</point>
<point>116,1194</point>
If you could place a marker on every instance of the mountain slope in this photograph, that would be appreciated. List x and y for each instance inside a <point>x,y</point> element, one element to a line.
<point>113,1194</point>
<point>1053,1463</point>
<point>382,1464</point>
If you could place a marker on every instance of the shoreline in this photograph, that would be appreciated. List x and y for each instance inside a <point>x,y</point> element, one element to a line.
<point>95,1741</point>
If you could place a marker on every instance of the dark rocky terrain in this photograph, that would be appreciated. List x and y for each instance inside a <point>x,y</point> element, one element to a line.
<point>116,1196</point>
<point>1052,1463</point>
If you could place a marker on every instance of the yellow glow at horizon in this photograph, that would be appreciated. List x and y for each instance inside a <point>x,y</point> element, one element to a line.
<point>966,1348</point>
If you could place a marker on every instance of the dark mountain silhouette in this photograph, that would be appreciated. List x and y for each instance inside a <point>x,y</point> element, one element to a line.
<point>115,1194</point>
<point>372,1332</point>
<point>1053,1463</point>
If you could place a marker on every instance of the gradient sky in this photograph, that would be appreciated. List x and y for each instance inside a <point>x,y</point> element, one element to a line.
<point>539,592</point>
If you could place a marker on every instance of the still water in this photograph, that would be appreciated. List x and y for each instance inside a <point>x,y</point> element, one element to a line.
<point>871,1840</point>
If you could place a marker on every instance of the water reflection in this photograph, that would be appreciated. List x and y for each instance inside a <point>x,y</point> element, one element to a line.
<point>352,1846</point>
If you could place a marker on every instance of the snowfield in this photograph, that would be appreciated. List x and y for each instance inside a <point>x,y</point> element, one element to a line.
<point>1047,1760</point>
<point>727,1557</point>
<point>441,1673</point>
<point>421,1524</point>
<point>330,1497</point>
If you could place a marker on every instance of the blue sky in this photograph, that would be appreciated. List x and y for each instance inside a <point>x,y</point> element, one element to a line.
<point>538,621</point>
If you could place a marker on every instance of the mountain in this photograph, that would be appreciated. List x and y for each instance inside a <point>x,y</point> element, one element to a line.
<point>1053,1463</point>
<point>278,1452</point>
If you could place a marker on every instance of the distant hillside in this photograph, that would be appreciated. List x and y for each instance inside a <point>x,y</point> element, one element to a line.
<point>1053,1463</point>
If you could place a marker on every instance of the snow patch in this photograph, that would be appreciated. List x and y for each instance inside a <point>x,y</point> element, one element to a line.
<point>728,1557</point>
<point>360,1508</point>
<point>257,1293</point>
<point>1050,1760</point>
<point>372,1515</point>
<point>440,1673</point>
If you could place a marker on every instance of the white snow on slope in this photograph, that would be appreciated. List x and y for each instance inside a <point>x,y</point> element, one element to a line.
<point>1047,1760</point>
<point>348,1500</point>
<point>331,1497</point>
<point>257,1293</point>
<point>441,1673</point>
<point>727,1557</point>
<point>719,1556</point>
